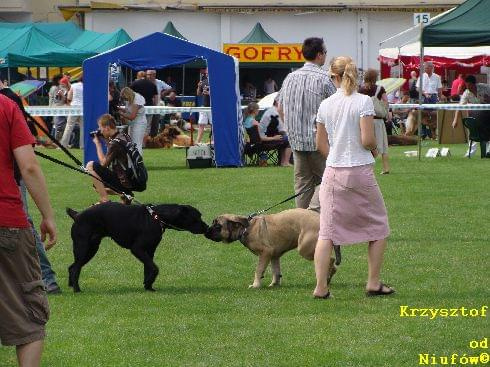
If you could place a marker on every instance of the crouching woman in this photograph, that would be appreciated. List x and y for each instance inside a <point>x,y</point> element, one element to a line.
<point>352,209</point>
<point>111,168</point>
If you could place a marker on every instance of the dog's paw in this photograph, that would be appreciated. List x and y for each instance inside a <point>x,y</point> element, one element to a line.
<point>254,286</point>
<point>274,284</point>
<point>150,289</point>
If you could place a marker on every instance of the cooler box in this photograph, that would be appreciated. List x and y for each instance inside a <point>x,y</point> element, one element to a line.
<point>200,156</point>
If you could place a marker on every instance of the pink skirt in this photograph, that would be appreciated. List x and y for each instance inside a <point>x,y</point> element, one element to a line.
<point>352,209</point>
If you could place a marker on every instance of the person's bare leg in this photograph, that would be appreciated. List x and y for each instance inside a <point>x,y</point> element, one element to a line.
<point>376,251</point>
<point>200,132</point>
<point>285,157</point>
<point>29,355</point>
<point>323,252</point>
<point>386,163</point>
<point>99,186</point>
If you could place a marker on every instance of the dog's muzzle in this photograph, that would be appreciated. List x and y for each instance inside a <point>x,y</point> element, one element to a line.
<point>214,232</point>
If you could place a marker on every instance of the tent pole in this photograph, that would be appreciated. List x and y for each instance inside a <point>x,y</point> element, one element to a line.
<point>421,93</point>
<point>183,79</point>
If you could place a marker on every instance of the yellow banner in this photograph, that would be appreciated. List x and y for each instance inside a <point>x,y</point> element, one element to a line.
<point>281,52</point>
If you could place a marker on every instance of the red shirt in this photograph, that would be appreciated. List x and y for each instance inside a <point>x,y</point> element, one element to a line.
<point>14,133</point>
<point>456,86</point>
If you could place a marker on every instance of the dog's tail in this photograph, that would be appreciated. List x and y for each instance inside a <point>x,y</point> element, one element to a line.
<point>72,213</point>
<point>338,255</point>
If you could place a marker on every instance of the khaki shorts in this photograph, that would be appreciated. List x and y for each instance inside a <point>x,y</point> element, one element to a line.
<point>24,306</point>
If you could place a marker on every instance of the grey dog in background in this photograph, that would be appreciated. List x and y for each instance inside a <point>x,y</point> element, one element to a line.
<point>270,236</point>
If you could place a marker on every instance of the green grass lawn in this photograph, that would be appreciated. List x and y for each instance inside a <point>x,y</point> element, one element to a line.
<point>203,313</point>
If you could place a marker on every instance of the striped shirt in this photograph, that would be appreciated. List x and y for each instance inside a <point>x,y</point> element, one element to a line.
<point>300,96</point>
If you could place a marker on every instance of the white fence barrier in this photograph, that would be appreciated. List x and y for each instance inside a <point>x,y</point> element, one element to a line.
<point>153,110</point>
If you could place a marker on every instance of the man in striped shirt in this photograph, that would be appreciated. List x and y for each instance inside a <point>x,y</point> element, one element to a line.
<point>299,98</point>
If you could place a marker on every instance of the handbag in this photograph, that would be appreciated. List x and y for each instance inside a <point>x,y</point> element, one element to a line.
<point>380,108</point>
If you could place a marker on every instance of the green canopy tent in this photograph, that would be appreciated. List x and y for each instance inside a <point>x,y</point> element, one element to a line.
<point>53,44</point>
<point>172,31</point>
<point>29,46</point>
<point>258,35</point>
<point>466,25</point>
<point>100,42</point>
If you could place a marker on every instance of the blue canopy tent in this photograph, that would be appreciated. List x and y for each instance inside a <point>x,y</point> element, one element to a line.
<point>157,51</point>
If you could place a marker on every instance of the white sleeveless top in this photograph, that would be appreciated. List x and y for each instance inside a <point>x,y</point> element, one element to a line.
<point>77,89</point>
<point>140,117</point>
<point>341,116</point>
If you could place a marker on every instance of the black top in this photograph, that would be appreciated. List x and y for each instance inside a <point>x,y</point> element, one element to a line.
<point>412,91</point>
<point>204,89</point>
<point>117,159</point>
<point>173,103</point>
<point>116,101</point>
<point>146,88</point>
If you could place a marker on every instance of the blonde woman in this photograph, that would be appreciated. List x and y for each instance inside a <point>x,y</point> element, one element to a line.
<point>352,209</point>
<point>134,115</point>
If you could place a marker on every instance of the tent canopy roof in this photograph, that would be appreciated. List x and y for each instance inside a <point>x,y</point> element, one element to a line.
<point>467,25</point>
<point>413,49</point>
<point>172,31</point>
<point>258,35</point>
<point>53,44</point>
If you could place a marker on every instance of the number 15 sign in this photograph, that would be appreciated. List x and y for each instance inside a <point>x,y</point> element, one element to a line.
<point>421,18</point>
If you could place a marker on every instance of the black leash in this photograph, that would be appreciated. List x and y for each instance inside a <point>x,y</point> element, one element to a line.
<point>54,140</point>
<point>252,215</point>
<point>156,217</point>
<point>84,171</point>
<point>149,208</point>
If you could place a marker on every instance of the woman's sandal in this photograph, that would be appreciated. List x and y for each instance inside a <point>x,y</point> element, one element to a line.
<point>385,172</point>
<point>326,296</point>
<point>380,292</point>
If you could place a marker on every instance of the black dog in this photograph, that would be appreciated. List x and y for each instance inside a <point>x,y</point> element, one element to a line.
<point>131,227</point>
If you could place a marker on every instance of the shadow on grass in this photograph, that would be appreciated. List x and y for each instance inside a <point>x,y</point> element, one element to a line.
<point>127,290</point>
<point>166,168</point>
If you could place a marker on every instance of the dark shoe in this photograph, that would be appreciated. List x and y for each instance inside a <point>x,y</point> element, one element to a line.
<point>53,289</point>
<point>380,291</point>
<point>327,296</point>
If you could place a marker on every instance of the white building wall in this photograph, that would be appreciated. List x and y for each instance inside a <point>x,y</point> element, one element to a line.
<point>356,34</point>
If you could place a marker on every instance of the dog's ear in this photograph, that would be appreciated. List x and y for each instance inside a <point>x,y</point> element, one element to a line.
<point>190,209</point>
<point>263,231</point>
<point>238,219</point>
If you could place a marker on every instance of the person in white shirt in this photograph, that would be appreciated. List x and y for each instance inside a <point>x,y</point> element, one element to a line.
<point>352,209</point>
<point>133,113</point>
<point>74,98</point>
<point>163,90</point>
<point>270,85</point>
<point>267,117</point>
<point>432,85</point>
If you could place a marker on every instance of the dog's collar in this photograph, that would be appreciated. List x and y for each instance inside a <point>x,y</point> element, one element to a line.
<point>242,236</point>
<point>157,218</point>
